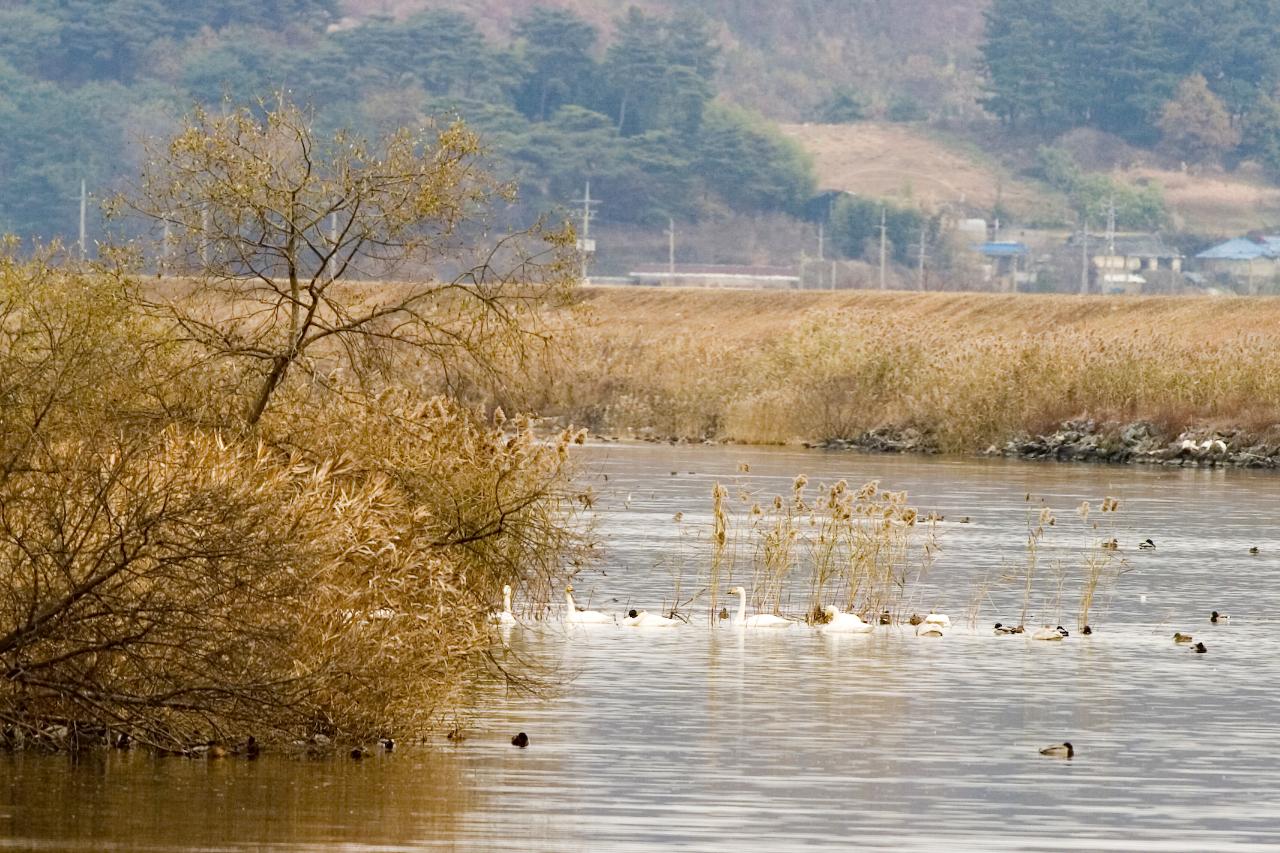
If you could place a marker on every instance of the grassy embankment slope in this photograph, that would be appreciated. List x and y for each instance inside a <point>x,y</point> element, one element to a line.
<point>966,369</point>
<point>913,164</point>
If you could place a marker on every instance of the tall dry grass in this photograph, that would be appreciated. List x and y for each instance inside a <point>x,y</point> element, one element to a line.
<point>964,370</point>
<point>171,574</point>
<point>863,549</point>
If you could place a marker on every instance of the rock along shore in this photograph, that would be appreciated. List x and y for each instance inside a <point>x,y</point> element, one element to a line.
<point>1089,441</point>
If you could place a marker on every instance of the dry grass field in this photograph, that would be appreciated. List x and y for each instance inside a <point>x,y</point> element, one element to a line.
<point>964,369</point>
<point>901,162</point>
<point>1212,202</point>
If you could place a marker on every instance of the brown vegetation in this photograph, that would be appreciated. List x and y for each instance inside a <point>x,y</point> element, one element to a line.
<point>913,166</point>
<point>965,370</point>
<point>254,502</point>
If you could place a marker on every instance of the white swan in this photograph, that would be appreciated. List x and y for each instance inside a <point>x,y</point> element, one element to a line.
<point>760,620</point>
<point>1047,633</point>
<point>645,619</point>
<point>931,629</point>
<point>574,616</point>
<point>941,619</point>
<point>504,616</point>
<point>843,623</point>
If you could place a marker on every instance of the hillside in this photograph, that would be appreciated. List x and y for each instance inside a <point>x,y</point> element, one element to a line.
<point>910,165</point>
<point>785,59</point>
<point>914,164</point>
<point>1212,202</point>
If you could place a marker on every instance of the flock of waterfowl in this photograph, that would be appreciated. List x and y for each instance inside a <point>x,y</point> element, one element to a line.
<point>832,620</point>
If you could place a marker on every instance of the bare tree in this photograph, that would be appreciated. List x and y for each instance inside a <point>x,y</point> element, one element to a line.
<point>295,245</point>
<point>182,579</point>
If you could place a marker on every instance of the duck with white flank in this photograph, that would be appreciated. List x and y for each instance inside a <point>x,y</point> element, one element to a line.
<point>645,619</point>
<point>1060,750</point>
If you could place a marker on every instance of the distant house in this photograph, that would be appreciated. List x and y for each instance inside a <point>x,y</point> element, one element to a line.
<point>1250,258</point>
<point>1128,263</point>
<point>1135,253</point>
<point>1003,261</point>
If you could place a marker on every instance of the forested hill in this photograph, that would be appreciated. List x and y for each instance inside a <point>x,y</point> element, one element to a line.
<point>798,60</point>
<point>667,106</point>
<point>560,101</point>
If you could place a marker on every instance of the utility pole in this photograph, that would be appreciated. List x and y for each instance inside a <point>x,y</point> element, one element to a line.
<point>84,204</point>
<point>1084,254</point>
<point>164,247</point>
<point>883,229</point>
<point>1111,227</point>
<point>671,251</point>
<point>822,234</point>
<point>920,270</point>
<point>586,245</point>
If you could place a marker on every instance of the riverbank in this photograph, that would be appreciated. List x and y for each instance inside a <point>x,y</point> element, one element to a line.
<point>1169,380</point>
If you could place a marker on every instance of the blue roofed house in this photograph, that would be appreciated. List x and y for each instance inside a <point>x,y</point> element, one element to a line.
<point>1249,260</point>
<point>1004,261</point>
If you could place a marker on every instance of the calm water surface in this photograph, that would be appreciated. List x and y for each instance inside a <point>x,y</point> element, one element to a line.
<point>725,740</point>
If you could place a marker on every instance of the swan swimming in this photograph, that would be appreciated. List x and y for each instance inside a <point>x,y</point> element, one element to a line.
<point>932,626</point>
<point>938,619</point>
<point>574,616</point>
<point>504,616</point>
<point>645,619</point>
<point>759,620</point>
<point>843,623</point>
<point>1047,633</point>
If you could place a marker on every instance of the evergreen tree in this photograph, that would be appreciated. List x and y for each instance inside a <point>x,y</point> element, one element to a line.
<point>557,54</point>
<point>635,68</point>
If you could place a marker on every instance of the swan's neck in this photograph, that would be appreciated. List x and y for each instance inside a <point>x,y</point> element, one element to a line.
<point>741,617</point>
<point>506,599</point>
<point>568,599</point>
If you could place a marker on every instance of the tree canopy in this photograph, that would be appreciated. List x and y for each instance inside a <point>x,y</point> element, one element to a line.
<point>1114,66</point>
<point>556,105</point>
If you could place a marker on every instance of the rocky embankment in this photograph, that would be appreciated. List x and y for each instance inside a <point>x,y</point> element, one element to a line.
<point>1090,441</point>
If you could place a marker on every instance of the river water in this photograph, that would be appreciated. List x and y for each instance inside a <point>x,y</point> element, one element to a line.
<point>700,739</point>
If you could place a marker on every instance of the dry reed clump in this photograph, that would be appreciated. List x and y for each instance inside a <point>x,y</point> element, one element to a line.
<point>171,575</point>
<point>862,549</point>
<point>966,380</point>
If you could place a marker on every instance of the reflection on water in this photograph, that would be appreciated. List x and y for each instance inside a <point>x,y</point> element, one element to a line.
<point>699,739</point>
